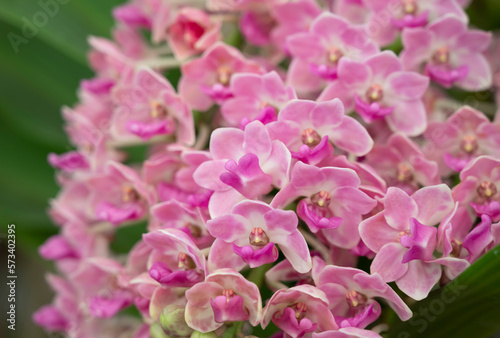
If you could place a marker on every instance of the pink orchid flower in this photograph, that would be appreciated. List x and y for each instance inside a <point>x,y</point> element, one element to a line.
<point>251,231</point>
<point>333,202</point>
<point>379,88</point>
<point>245,164</point>
<point>466,135</point>
<point>316,53</point>
<point>479,187</point>
<point>149,107</point>
<point>176,260</point>
<point>307,128</point>
<point>299,311</point>
<point>206,80</point>
<point>119,194</point>
<point>351,294</point>
<point>103,285</point>
<point>255,97</point>
<point>224,296</point>
<point>292,17</point>
<point>404,14</point>
<point>192,32</point>
<point>173,214</point>
<point>401,163</point>
<point>450,53</point>
<point>404,237</point>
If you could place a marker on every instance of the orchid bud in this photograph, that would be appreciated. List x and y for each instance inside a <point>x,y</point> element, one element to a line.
<point>172,321</point>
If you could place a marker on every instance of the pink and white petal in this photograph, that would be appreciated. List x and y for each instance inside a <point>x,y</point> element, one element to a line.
<point>336,298</point>
<point>387,262</point>
<point>408,117</point>
<point>281,221</point>
<point>376,287</point>
<point>223,256</point>
<point>352,200</point>
<point>191,91</point>
<point>474,41</point>
<point>227,143</point>
<point>418,281</point>
<point>199,314</point>
<point>346,236</point>
<point>328,114</point>
<point>246,84</point>
<point>341,136</point>
<point>301,78</point>
<point>481,166</point>
<point>327,25</point>
<point>375,232</point>
<point>305,46</point>
<point>334,178</point>
<point>418,49</point>
<point>257,140</point>
<point>453,266</point>
<point>298,111</point>
<point>399,208</point>
<point>336,90</point>
<point>434,203</point>
<point>235,109</point>
<point>447,28</point>
<point>354,74</point>
<point>383,64</point>
<point>278,164</point>
<point>230,228</point>
<point>221,202</point>
<point>208,174</point>
<point>347,332</point>
<point>407,85</point>
<point>479,76</point>
<point>295,249</point>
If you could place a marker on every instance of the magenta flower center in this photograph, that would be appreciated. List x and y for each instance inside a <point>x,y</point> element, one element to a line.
<point>129,194</point>
<point>405,172</point>
<point>194,229</point>
<point>442,55</point>
<point>375,93</point>
<point>228,293</point>
<point>334,54</point>
<point>469,144</point>
<point>487,189</point>
<point>185,262</point>
<point>158,110</point>
<point>321,199</point>
<point>310,137</point>
<point>300,310</point>
<point>258,237</point>
<point>409,7</point>
<point>403,233</point>
<point>355,298</point>
<point>223,75</point>
<point>456,248</point>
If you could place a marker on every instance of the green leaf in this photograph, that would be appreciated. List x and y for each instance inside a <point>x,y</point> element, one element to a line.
<point>467,307</point>
<point>63,24</point>
<point>39,75</point>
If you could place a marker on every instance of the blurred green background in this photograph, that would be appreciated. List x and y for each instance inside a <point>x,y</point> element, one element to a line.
<point>42,59</point>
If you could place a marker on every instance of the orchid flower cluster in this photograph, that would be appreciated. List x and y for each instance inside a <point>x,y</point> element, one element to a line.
<point>299,142</point>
